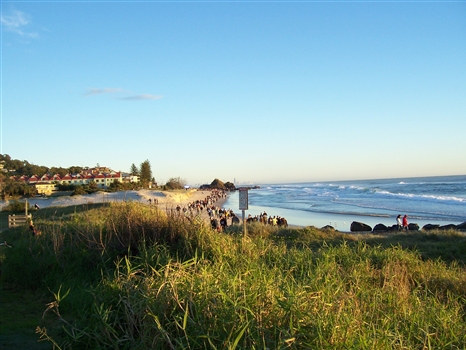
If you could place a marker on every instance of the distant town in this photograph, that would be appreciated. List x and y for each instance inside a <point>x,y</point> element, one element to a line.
<point>21,178</point>
<point>103,177</point>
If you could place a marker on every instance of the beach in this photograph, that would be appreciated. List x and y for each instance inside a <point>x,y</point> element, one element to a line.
<point>426,200</point>
<point>431,200</point>
<point>164,199</point>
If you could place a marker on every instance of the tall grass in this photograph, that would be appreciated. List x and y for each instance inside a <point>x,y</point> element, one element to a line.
<point>143,279</point>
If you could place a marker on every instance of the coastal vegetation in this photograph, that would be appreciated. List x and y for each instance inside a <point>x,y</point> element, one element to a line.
<point>11,169</point>
<point>130,276</point>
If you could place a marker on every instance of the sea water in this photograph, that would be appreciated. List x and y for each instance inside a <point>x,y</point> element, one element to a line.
<point>435,200</point>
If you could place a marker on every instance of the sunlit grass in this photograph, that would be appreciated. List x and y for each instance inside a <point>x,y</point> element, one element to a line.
<point>141,279</point>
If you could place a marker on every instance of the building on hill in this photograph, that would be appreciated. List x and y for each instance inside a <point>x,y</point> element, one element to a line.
<point>46,183</point>
<point>45,188</point>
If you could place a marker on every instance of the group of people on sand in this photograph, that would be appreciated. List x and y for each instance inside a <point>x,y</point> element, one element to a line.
<point>155,200</point>
<point>223,215</point>
<point>218,216</point>
<point>402,223</point>
<point>208,201</point>
<point>263,218</point>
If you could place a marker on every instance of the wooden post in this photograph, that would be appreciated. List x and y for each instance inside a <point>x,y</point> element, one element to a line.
<point>26,208</point>
<point>244,223</point>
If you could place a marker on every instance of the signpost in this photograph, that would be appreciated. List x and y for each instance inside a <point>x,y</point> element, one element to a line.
<point>243,204</point>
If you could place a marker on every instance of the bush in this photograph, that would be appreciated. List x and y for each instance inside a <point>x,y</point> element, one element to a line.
<point>79,190</point>
<point>16,206</point>
<point>175,184</point>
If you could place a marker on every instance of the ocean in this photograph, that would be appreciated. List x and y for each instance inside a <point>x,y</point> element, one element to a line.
<point>435,200</point>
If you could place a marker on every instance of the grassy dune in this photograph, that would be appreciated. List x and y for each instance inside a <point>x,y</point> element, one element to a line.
<point>126,276</point>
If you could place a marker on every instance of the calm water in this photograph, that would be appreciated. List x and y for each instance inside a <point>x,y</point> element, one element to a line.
<point>425,200</point>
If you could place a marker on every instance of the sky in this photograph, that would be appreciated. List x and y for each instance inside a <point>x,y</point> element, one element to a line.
<point>243,91</point>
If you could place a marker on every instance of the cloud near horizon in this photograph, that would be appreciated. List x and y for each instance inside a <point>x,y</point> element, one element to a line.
<point>16,22</point>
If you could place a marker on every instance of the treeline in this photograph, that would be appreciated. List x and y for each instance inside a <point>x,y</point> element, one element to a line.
<point>23,167</point>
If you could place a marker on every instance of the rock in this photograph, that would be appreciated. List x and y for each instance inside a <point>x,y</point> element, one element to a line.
<point>328,227</point>
<point>413,227</point>
<point>447,227</point>
<point>360,227</point>
<point>380,228</point>
<point>429,227</point>
<point>461,226</point>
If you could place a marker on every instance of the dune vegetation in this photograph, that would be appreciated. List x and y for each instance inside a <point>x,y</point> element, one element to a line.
<point>129,276</point>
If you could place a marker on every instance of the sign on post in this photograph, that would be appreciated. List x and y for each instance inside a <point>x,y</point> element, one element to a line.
<point>243,199</point>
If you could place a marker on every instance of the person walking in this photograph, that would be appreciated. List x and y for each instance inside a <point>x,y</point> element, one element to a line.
<point>398,223</point>
<point>405,223</point>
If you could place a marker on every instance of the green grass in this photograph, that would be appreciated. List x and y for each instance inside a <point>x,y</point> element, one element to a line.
<point>127,276</point>
<point>21,313</point>
<point>4,220</point>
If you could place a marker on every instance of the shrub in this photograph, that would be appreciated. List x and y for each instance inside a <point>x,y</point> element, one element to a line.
<point>16,206</point>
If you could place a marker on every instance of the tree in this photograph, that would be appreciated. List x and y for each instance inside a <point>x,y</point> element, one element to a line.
<point>217,184</point>
<point>175,183</point>
<point>75,169</point>
<point>230,186</point>
<point>116,186</point>
<point>58,170</point>
<point>145,173</point>
<point>134,170</point>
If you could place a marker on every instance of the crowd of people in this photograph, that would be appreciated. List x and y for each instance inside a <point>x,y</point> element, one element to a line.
<point>263,218</point>
<point>220,218</point>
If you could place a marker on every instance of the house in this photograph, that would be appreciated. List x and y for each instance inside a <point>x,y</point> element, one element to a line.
<point>47,183</point>
<point>45,187</point>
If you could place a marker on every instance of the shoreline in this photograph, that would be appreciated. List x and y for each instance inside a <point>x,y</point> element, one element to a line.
<point>182,198</point>
<point>341,222</point>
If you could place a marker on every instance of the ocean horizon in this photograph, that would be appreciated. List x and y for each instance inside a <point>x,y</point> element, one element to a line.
<point>426,200</point>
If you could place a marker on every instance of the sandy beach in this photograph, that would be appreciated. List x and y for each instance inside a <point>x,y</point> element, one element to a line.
<point>166,199</point>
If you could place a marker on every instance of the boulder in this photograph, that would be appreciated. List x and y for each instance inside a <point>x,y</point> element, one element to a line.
<point>360,227</point>
<point>380,228</point>
<point>447,227</point>
<point>328,228</point>
<point>429,227</point>
<point>413,227</point>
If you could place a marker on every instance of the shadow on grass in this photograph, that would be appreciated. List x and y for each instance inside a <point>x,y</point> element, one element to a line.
<point>448,246</point>
<point>51,213</point>
<point>21,313</point>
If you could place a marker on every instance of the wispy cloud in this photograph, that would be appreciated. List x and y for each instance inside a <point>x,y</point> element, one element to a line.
<point>141,97</point>
<point>17,22</point>
<point>94,91</point>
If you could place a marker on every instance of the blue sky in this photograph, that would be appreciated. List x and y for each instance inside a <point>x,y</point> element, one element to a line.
<point>252,91</point>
